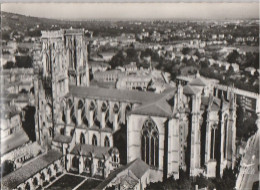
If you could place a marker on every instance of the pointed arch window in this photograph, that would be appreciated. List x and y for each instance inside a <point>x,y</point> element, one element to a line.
<point>106,142</point>
<point>104,107</point>
<point>92,106</point>
<point>82,138</point>
<point>80,104</point>
<point>75,162</point>
<point>127,109</point>
<point>70,103</point>
<point>150,143</point>
<point>72,115</point>
<point>213,143</point>
<point>94,140</point>
<point>116,108</point>
<point>62,131</point>
<point>84,117</point>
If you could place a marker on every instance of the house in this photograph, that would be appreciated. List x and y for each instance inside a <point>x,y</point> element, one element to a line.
<point>250,70</point>
<point>225,65</point>
<point>98,66</point>
<point>107,56</point>
<point>235,67</point>
<point>131,67</point>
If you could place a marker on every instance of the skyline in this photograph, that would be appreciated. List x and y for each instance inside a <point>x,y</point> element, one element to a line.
<point>87,11</point>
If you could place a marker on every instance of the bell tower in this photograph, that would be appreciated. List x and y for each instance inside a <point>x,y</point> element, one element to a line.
<point>76,57</point>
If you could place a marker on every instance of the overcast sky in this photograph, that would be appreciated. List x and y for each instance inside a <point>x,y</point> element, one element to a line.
<point>136,10</point>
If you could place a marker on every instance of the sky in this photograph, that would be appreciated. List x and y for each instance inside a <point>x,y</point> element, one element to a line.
<point>82,11</point>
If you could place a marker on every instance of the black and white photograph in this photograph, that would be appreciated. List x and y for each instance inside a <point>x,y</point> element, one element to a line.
<point>130,96</point>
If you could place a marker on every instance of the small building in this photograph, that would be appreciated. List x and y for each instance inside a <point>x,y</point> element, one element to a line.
<point>133,82</point>
<point>134,175</point>
<point>250,70</point>
<point>93,160</point>
<point>131,67</point>
<point>107,56</point>
<point>98,66</point>
<point>235,67</point>
<point>36,173</point>
<point>108,76</point>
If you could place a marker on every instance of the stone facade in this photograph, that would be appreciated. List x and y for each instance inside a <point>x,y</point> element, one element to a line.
<point>186,127</point>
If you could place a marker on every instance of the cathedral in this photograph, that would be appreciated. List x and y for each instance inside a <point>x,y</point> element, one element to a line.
<point>100,129</point>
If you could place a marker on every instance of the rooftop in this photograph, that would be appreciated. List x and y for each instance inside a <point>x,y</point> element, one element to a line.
<point>198,82</point>
<point>161,107</point>
<point>113,94</point>
<point>17,140</point>
<point>17,177</point>
<point>87,150</point>
<point>137,167</point>
<point>190,90</point>
<point>62,138</point>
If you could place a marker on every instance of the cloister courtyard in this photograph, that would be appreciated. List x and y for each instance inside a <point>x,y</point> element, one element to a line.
<point>69,181</point>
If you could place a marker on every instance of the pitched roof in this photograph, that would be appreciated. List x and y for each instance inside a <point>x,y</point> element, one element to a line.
<point>20,175</point>
<point>159,108</point>
<point>17,140</point>
<point>137,167</point>
<point>113,94</point>
<point>190,90</point>
<point>87,150</point>
<point>62,138</point>
<point>198,82</point>
<point>216,103</point>
<point>162,106</point>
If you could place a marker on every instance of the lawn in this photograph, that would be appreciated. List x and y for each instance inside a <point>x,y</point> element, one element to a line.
<point>66,182</point>
<point>89,184</point>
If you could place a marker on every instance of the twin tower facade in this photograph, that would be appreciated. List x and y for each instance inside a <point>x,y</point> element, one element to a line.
<point>60,60</point>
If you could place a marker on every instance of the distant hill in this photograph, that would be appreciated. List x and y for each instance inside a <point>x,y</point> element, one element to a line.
<point>32,26</point>
<point>17,22</point>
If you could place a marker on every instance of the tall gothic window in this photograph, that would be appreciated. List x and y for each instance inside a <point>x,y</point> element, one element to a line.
<point>80,104</point>
<point>226,135</point>
<point>106,142</point>
<point>213,142</point>
<point>150,143</point>
<point>94,140</point>
<point>82,138</point>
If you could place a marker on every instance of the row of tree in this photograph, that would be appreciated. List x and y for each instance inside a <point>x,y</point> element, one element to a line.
<point>227,182</point>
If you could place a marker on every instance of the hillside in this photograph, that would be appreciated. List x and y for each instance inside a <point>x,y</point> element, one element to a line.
<point>32,26</point>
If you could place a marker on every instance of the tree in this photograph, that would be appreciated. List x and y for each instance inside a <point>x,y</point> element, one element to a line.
<point>203,182</point>
<point>233,56</point>
<point>117,60</point>
<point>198,54</point>
<point>9,65</point>
<point>24,61</point>
<point>170,183</point>
<point>228,180</point>
<point>7,167</point>
<point>245,125</point>
<point>186,50</point>
<point>204,64</point>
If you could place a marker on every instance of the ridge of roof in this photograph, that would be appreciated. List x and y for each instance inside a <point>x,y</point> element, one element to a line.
<point>137,167</point>
<point>20,175</point>
<point>156,108</point>
<point>190,90</point>
<point>198,82</point>
<point>113,94</point>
